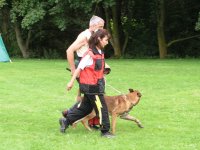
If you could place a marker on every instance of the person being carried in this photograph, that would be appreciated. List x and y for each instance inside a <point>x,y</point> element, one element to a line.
<point>92,85</point>
<point>80,46</point>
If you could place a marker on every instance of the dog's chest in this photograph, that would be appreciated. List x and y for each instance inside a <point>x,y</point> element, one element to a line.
<point>124,106</point>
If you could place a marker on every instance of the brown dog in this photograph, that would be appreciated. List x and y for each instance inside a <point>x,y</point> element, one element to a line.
<point>120,106</point>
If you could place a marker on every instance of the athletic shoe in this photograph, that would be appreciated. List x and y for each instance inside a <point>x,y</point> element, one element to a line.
<point>62,122</point>
<point>107,135</point>
<point>64,113</point>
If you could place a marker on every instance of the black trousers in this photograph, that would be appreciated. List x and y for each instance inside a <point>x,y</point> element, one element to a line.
<point>89,103</point>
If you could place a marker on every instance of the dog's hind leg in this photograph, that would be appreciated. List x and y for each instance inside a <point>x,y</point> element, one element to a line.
<point>126,116</point>
<point>85,124</point>
<point>86,118</point>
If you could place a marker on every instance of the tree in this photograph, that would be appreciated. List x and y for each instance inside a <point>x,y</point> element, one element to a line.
<point>113,23</point>
<point>160,29</point>
<point>24,15</point>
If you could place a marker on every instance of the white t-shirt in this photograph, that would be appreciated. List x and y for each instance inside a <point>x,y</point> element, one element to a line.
<point>85,34</point>
<point>86,61</point>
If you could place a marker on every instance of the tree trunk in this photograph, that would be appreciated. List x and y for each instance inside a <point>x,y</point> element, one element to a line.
<point>160,29</point>
<point>113,26</point>
<point>125,43</point>
<point>23,45</point>
<point>108,26</point>
<point>116,35</point>
<point>161,42</point>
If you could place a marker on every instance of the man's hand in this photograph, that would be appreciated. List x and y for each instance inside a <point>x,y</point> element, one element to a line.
<point>71,82</point>
<point>69,86</point>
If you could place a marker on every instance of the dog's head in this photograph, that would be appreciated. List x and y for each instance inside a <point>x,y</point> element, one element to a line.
<point>135,96</point>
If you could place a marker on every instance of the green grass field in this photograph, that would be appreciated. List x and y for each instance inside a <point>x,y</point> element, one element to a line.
<point>33,94</point>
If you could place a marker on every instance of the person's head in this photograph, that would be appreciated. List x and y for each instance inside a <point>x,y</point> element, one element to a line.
<point>99,39</point>
<point>96,23</point>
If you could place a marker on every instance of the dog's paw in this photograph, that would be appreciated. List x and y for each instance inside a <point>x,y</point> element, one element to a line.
<point>140,125</point>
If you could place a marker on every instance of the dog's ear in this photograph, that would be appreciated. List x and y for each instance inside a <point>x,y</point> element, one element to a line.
<point>131,90</point>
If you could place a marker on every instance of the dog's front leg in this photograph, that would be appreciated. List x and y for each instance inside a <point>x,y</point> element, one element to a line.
<point>114,118</point>
<point>126,116</point>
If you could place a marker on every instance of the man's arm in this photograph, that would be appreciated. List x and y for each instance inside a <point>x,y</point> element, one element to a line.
<point>71,82</point>
<point>79,42</point>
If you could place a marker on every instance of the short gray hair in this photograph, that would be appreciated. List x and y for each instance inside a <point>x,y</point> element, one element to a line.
<point>95,20</point>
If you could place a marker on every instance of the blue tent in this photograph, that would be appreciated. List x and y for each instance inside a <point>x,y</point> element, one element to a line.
<point>4,57</point>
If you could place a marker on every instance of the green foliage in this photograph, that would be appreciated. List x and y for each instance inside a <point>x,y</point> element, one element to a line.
<point>32,17</point>
<point>51,54</point>
<point>29,11</point>
<point>58,16</point>
<point>197,27</point>
<point>14,51</point>
<point>108,3</point>
<point>60,23</point>
<point>65,18</point>
<point>81,5</point>
<point>2,3</point>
